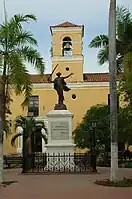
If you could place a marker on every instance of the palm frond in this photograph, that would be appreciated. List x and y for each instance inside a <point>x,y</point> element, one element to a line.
<point>44,138</point>
<point>18,19</point>
<point>13,32</point>
<point>19,77</point>
<point>27,91</point>
<point>123,15</point>
<point>25,18</point>
<point>99,41</point>
<point>32,56</point>
<point>31,125</point>
<point>15,137</point>
<point>41,125</point>
<point>23,38</point>
<point>103,55</point>
<point>19,121</point>
<point>124,24</point>
<point>120,66</point>
<point>1,62</point>
<point>7,127</point>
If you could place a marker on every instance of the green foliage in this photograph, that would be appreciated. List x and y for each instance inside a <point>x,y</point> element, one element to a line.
<point>124,183</point>
<point>17,48</point>
<point>29,126</point>
<point>101,114</point>
<point>124,39</point>
<point>123,48</point>
<point>83,133</point>
<point>125,86</point>
<point>124,124</point>
<point>99,41</point>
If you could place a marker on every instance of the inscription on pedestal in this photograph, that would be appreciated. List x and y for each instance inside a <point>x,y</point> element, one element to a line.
<point>59,130</point>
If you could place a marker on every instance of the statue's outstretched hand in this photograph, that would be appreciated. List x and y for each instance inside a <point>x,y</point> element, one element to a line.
<point>72,74</point>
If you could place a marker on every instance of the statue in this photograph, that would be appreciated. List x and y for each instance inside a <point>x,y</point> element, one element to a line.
<point>60,86</point>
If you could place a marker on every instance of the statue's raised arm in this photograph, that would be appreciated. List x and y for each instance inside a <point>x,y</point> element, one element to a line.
<point>68,75</point>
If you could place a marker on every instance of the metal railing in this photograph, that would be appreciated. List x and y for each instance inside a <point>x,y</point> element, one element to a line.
<point>60,163</point>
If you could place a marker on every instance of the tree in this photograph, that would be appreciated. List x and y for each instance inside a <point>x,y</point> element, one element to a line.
<point>16,50</point>
<point>124,125</point>
<point>123,40</point>
<point>101,114</point>
<point>30,126</point>
<point>113,90</point>
<point>125,85</point>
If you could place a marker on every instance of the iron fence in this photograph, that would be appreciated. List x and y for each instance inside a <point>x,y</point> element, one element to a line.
<point>60,163</point>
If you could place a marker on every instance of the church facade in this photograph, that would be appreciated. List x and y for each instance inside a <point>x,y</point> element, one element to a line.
<point>87,89</point>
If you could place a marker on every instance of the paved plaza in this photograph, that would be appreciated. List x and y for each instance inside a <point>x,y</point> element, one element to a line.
<point>68,186</point>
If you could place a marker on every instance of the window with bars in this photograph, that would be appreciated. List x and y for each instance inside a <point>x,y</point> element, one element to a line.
<point>33,107</point>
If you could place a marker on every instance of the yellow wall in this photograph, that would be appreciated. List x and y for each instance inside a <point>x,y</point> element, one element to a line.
<point>85,98</point>
<point>57,38</point>
<point>75,65</point>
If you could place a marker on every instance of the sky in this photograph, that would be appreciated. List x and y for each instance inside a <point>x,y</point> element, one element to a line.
<point>92,14</point>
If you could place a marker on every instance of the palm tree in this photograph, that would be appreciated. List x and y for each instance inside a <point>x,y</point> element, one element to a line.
<point>123,39</point>
<point>16,50</point>
<point>113,92</point>
<point>30,126</point>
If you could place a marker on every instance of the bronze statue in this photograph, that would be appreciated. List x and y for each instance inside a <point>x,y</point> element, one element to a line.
<point>60,86</point>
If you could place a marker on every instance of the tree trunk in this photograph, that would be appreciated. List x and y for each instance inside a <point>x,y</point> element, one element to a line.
<point>113,92</point>
<point>2,116</point>
<point>1,135</point>
<point>27,155</point>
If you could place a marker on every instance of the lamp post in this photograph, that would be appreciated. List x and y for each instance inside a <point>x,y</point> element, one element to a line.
<point>93,145</point>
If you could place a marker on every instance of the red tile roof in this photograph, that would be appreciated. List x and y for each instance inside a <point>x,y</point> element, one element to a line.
<point>65,25</point>
<point>96,77</point>
<point>88,77</point>
<point>38,79</point>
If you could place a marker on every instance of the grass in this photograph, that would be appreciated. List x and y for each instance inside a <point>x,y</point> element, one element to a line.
<point>124,183</point>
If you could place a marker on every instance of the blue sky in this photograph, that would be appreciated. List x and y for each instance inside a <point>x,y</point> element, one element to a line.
<point>92,14</point>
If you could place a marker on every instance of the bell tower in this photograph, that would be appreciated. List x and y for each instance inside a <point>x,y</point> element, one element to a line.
<point>66,50</point>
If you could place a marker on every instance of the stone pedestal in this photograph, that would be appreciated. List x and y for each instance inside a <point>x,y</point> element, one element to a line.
<point>60,149</point>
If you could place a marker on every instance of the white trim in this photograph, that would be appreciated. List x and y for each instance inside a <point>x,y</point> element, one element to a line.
<point>67,29</point>
<point>20,140</point>
<point>66,58</point>
<point>73,85</point>
<point>88,84</point>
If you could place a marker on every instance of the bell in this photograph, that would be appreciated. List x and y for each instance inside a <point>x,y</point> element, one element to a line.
<point>67,46</point>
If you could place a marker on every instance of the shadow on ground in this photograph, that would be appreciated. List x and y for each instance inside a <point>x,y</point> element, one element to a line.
<point>6,183</point>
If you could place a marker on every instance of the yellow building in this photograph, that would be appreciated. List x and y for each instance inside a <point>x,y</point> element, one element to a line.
<point>87,89</point>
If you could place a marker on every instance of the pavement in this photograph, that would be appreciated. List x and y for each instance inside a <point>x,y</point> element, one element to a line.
<point>63,186</point>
